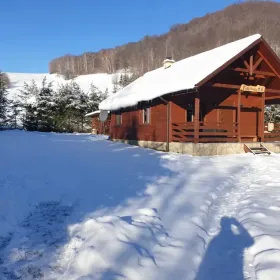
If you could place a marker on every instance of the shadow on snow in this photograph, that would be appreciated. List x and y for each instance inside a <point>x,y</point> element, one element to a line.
<point>68,179</point>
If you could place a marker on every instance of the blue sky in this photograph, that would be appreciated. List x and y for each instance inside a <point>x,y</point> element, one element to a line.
<point>35,31</point>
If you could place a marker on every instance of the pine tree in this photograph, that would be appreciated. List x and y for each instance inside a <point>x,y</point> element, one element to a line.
<point>30,122</point>
<point>64,111</point>
<point>3,99</point>
<point>14,112</point>
<point>95,97</point>
<point>45,107</point>
<point>28,95</point>
<point>272,113</point>
<point>80,105</point>
<point>104,95</point>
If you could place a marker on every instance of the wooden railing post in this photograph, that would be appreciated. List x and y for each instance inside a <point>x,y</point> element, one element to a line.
<point>238,115</point>
<point>262,117</point>
<point>196,118</point>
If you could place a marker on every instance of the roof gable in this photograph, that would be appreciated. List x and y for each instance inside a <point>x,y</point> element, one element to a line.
<point>182,75</point>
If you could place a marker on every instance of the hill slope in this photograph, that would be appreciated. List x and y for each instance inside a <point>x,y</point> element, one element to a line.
<point>103,81</point>
<point>183,40</point>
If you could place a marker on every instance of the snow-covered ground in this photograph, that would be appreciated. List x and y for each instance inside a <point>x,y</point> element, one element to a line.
<point>80,207</point>
<point>102,81</point>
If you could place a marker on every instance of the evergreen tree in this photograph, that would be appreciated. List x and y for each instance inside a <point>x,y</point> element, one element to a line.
<point>14,112</point>
<point>42,108</point>
<point>104,95</point>
<point>30,122</point>
<point>80,105</point>
<point>3,99</point>
<point>125,80</point>
<point>272,114</point>
<point>95,97</point>
<point>45,107</point>
<point>64,109</point>
<point>28,96</point>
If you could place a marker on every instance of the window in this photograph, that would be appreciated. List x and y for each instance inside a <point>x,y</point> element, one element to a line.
<point>146,115</point>
<point>118,118</point>
<point>190,113</point>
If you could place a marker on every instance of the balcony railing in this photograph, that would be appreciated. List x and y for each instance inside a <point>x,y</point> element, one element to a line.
<point>274,135</point>
<point>205,132</point>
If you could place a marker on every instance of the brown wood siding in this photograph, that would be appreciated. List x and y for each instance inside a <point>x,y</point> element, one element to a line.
<point>221,106</point>
<point>179,105</point>
<point>132,127</point>
<point>95,122</point>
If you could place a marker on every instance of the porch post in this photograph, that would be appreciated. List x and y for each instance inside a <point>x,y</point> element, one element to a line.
<point>196,118</point>
<point>169,125</point>
<point>238,115</point>
<point>262,117</point>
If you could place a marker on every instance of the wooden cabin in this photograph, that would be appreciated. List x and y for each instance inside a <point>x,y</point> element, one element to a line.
<point>99,127</point>
<point>213,100</point>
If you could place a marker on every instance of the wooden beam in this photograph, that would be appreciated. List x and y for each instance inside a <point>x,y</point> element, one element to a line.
<point>219,85</point>
<point>255,76</point>
<point>246,64</point>
<point>196,118</point>
<point>270,74</point>
<point>270,66</point>
<point>169,124</point>
<point>258,62</point>
<point>270,90</point>
<point>238,115</point>
<point>251,65</point>
<point>260,76</point>
<point>272,97</point>
<point>262,118</point>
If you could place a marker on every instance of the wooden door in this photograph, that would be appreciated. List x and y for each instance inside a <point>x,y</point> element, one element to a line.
<point>249,124</point>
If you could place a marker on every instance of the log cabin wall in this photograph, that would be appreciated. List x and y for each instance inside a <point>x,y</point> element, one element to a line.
<point>95,122</point>
<point>133,128</point>
<point>180,106</point>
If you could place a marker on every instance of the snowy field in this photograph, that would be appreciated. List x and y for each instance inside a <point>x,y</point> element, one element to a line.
<point>79,207</point>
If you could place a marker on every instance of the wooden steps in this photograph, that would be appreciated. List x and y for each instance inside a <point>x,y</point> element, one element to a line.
<point>256,150</point>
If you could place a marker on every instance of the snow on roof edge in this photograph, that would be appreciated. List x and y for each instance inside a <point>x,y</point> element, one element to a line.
<point>162,81</point>
<point>93,113</point>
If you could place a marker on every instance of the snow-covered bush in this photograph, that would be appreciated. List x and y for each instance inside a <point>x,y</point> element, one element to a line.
<point>3,98</point>
<point>272,114</point>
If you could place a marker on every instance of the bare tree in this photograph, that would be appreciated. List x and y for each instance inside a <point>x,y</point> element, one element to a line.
<point>200,34</point>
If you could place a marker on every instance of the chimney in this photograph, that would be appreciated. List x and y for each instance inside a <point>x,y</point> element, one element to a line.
<point>168,62</point>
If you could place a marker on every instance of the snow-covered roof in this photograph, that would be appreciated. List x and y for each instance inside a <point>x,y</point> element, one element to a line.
<point>182,75</point>
<point>93,113</point>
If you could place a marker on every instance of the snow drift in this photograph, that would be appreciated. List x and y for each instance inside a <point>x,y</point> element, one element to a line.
<point>80,207</point>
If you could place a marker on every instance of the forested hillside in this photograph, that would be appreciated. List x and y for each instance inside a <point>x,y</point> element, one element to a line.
<point>183,40</point>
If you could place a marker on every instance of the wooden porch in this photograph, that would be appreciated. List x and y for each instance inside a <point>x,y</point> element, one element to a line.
<point>218,132</point>
<point>272,136</point>
<point>229,105</point>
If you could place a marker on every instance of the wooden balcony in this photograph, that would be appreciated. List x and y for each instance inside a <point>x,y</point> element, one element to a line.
<point>204,132</point>
<point>272,136</point>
